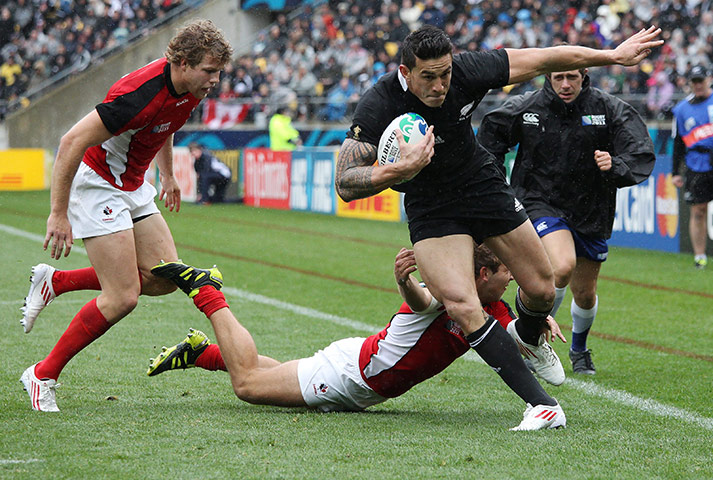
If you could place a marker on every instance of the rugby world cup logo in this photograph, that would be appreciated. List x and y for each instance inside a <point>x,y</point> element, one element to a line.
<point>410,122</point>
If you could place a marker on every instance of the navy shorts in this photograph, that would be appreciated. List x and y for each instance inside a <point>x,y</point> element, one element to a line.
<point>698,187</point>
<point>485,207</point>
<point>591,248</point>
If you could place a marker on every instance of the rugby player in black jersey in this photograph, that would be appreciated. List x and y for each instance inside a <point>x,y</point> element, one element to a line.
<point>457,194</point>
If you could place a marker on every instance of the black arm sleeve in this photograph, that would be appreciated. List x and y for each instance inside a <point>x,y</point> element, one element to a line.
<point>633,159</point>
<point>499,130</point>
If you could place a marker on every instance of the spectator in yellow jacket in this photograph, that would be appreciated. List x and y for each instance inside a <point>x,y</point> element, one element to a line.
<point>283,136</point>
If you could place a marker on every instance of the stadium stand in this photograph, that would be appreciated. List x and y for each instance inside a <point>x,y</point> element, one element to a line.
<point>43,42</point>
<point>348,45</point>
<point>319,58</point>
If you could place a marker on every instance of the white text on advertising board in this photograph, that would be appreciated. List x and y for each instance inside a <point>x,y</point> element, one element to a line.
<point>322,186</point>
<point>298,196</point>
<point>269,179</point>
<point>635,208</point>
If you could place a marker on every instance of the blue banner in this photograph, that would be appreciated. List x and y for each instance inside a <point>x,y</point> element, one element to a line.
<point>275,5</point>
<point>237,139</point>
<point>312,181</point>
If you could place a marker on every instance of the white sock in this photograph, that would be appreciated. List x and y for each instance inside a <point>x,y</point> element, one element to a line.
<point>701,256</point>
<point>559,296</point>
<point>582,319</point>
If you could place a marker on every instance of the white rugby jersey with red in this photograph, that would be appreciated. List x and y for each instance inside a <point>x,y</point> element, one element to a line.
<point>142,110</point>
<point>415,346</point>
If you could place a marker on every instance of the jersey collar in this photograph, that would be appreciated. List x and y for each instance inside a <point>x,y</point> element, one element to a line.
<point>402,80</point>
<point>169,82</point>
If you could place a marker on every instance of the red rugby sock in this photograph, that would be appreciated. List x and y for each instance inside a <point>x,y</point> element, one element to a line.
<point>88,325</point>
<point>209,300</point>
<point>70,280</point>
<point>211,359</point>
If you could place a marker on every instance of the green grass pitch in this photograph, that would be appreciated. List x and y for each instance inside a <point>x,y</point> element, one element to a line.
<point>646,414</point>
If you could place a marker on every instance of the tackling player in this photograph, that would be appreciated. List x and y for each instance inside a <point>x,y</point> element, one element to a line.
<point>99,194</point>
<point>351,374</point>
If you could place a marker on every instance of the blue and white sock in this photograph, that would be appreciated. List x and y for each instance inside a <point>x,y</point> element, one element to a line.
<point>582,321</point>
<point>559,296</point>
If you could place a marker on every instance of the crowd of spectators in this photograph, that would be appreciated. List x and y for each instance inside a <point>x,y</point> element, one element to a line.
<point>40,39</point>
<point>320,59</point>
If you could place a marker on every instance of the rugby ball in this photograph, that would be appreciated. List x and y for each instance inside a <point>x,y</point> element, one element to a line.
<point>412,126</point>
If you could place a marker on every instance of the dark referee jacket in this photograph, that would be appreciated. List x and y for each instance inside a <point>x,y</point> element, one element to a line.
<point>554,172</point>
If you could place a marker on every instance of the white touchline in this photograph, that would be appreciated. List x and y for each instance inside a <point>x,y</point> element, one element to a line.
<point>590,388</point>
<point>10,461</point>
<point>646,405</point>
<point>33,236</point>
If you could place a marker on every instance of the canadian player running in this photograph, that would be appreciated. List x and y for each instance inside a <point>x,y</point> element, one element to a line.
<point>354,373</point>
<point>98,194</point>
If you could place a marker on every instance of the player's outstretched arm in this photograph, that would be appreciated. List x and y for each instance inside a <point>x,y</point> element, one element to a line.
<point>417,297</point>
<point>528,63</point>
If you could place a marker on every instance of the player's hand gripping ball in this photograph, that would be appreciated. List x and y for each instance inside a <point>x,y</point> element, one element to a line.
<point>412,126</point>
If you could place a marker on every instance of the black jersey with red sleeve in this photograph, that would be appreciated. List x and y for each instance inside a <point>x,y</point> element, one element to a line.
<point>142,110</point>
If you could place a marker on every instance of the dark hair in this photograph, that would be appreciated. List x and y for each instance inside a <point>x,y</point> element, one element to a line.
<point>484,257</point>
<point>426,43</point>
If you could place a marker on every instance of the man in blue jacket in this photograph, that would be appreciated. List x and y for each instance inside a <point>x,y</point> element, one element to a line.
<point>693,141</point>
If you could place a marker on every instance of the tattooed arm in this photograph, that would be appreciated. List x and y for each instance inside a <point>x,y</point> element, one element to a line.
<point>358,177</point>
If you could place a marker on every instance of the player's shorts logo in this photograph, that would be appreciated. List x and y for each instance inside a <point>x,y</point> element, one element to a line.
<point>321,389</point>
<point>107,211</point>
<point>518,205</point>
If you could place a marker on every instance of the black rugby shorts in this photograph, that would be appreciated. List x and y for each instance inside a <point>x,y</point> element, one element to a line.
<point>699,187</point>
<point>483,207</point>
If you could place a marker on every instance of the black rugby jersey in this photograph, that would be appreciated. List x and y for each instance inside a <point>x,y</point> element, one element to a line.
<point>457,154</point>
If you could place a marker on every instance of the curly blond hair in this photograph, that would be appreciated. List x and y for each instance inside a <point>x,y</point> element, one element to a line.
<point>194,40</point>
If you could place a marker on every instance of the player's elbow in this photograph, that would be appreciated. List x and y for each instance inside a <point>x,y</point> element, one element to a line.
<point>344,193</point>
<point>246,391</point>
<point>68,140</point>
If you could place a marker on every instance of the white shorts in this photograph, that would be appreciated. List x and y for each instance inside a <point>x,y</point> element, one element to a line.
<point>98,208</point>
<point>331,382</point>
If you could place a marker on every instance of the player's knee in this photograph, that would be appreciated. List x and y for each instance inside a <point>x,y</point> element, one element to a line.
<point>584,297</point>
<point>541,293</point>
<point>123,303</point>
<point>562,273</point>
<point>698,213</point>
<point>464,311</point>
